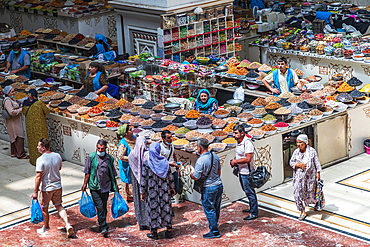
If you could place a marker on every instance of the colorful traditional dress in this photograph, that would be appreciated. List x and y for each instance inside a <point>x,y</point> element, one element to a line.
<point>36,127</point>
<point>158,197</point>
<point>304,181</point>
<point>136,160</point>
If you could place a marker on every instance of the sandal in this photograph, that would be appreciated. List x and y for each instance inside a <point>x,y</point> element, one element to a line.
<point>302,217</point>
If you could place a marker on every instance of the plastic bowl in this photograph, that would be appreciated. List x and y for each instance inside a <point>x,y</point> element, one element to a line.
<point>157,118</point>
<point>317,117</point>
<point>258,136</point>
<point>220,138</point>
<point>101,123</point>
<point>256,125</point>
<point>204,126</point>
<point>219,126</point>
<point>271,121</point>
<point>178,124</point>
<point>221,116</point>
<point>270,132</point>
<point>328,113</point>
<point>224,145</point>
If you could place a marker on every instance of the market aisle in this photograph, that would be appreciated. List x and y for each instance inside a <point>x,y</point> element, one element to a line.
<point>189,225</point>
<point>17,179</point>
<point>347,195</point>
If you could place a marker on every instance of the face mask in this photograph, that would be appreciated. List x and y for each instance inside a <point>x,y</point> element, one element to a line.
<point>100,153</point>
<point>12,96</point>
<point>16,52</point>
<point>167,143</point>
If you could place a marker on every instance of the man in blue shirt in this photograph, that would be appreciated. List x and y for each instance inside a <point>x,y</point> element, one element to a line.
<point>212,188</point>
<point>189,58</point>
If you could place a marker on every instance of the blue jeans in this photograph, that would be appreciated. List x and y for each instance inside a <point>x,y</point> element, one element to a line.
<point>250,192</point>
<point>211,202</point>
<point>176,181</point>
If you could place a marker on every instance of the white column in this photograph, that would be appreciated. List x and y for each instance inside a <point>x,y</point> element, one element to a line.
<point>120,39</point>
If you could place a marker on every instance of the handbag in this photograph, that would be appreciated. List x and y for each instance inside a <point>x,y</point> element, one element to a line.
<point>198,184</point>
<point>259,177</point>
<point>5,112</point>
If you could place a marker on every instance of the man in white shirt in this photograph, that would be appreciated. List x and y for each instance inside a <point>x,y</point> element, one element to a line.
<point>48,185</point>
<point>283,79</point>
<point>244,159</point>
<point>168,151</point>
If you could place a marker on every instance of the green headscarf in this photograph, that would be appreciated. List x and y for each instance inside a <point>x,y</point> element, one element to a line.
<point>122,130</point>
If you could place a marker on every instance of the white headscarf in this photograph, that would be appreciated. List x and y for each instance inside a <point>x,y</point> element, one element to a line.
<point>7,89</point>
<point>303,138</point>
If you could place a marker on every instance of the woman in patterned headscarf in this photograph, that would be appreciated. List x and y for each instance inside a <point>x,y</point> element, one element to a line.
<point>35,112</point>
<point>204,103</point>
<point>126,144</point>
<point>307,168</point>
<point>156,189</point>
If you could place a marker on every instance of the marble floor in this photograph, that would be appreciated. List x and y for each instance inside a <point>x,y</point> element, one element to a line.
<point>347,196</point>
<point>277,224</point>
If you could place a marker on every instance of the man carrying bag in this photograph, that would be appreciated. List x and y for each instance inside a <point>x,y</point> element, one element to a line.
<point>207,172</point>
<point>244,161</point>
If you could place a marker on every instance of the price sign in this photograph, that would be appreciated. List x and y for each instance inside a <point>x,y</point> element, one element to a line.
<point>323,70</point>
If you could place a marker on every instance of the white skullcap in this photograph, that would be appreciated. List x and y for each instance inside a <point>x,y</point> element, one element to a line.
<point>303,138</point>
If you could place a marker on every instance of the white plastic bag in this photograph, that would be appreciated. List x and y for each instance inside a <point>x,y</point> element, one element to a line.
<point>239,93</point>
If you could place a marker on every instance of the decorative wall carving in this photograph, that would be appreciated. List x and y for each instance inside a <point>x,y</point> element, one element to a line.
<point>349,131</point>
<point>315,61</point>
<point>50,22</point>
<point>264,158</point>
<point>74,127</point>
<point>334,69</point>
<point>56,135</point>
<point>77,155</point>
<point>112,29</point>
<point>85,130</point>
<point>16,21</point>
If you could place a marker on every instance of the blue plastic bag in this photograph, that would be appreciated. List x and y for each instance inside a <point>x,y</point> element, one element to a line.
<point>47,58</point>
<point>119,206</point>
<point>36,212</point>
<point>87,207</point>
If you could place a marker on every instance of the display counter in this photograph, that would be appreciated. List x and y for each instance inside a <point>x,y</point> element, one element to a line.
<point>104,23</point>
<point>337,137</point>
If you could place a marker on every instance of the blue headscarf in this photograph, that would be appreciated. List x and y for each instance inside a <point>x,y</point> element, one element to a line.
<point>204,107</point>
<point>101,38</point>
<point>156,161</point>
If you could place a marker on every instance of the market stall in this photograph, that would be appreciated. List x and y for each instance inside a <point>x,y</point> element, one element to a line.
<point>79,119</point>
<point>72,19</point>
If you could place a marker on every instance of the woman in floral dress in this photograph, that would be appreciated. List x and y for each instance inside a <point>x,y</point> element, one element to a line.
<point>157,187</point>
<point>307,168</point>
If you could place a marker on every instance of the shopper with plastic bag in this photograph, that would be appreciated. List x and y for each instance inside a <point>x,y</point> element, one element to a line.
<point>36,212</point>
<point>48,187</point>
<point>119,206</point>
<point>86,205</point>
<point>100,175</point>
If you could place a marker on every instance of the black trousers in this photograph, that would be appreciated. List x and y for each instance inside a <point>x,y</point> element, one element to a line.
<point>100,201</point>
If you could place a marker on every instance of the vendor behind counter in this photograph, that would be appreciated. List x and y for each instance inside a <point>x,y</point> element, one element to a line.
<point>96,81</point>
<point>100,47</point>
<point>19,61</point>
<point>204,103</point>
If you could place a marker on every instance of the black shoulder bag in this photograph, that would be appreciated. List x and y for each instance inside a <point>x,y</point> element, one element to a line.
<point>198,184</point>
<point>260,176</point>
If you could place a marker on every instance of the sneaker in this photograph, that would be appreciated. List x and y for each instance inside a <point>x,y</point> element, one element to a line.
<point>251,217</point>
<point>69,229</point>
<point>212,235</point>
<point>248,210</point>
<point>42,230</point>
<point>152,235</point>
<point>168,234</point>
<point>104,232</point>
